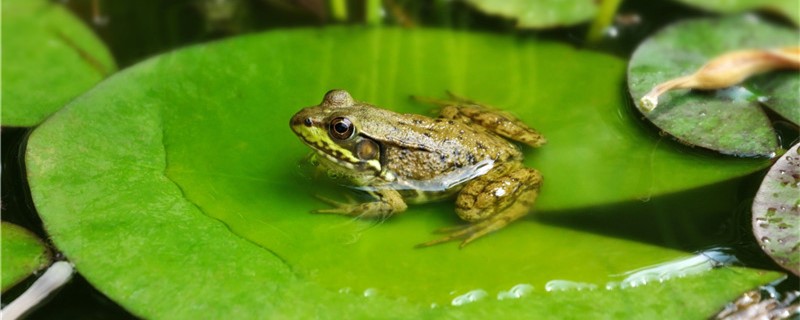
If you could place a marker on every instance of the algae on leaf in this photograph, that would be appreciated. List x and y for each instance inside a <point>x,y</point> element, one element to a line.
<point>49,58</point>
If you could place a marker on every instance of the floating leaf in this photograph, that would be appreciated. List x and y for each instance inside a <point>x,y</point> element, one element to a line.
<point>730,121</point>
<point>22,254</point>
<point>779,92</point>
<point>776,211</point>
<point>539,14</point>
<point>48,59</point>
<point>787,8</point>
<point>188,176</point>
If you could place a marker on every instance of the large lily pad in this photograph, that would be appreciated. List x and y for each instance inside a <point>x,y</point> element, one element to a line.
<point>787,8</point>
<point>49,57</point>
<point>730,121</point>
<point>540,14</point>
<point>22,254</point>
<point>776,211</point>
<point>140,165</point>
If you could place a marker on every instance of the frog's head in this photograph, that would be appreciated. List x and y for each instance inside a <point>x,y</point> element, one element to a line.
<point>331,129</point>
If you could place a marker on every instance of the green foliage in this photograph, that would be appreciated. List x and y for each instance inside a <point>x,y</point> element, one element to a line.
<point>22,254</point>
<point>539,14</point>
<point>49,58</point>
<point>787,8</point>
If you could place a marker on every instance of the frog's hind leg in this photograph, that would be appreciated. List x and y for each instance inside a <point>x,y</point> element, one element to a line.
<point>492,201</point>
<point>494,120</point>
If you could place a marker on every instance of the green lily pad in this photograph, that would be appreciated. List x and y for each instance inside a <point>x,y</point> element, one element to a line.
<point>49,58</point>
<point>779,92</point>
<point>539,14</point>
<point>731,120</point>
<point>22,254</point>
<point>776,211</point>
<point>788,8</point>
<point>189,176</point>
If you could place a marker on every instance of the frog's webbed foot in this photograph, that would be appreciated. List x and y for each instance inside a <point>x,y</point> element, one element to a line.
<point>387,203</point>
<point>492,201</point>
<point>470,232</point>
<point>494,120</point>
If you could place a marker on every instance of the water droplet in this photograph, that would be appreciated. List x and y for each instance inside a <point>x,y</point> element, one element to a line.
<point>345,290</point>
<point>782,171</point>
<point>434,305</point>
<point>565,285</point>
<point>469,297</point>
<point>100,20</point>
<point>703,114</point>
<point>612,32</point>
<point>765,240</point>
<point>515,292</point>
<point>370,292</point>
<point>781,241</point>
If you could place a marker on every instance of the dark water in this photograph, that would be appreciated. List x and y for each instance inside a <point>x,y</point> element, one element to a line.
<point>135,30</point>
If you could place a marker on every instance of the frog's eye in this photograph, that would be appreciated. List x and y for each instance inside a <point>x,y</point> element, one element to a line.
<point>341,128</point>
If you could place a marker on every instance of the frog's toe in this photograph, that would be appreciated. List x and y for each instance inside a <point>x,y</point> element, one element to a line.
<point>455,233</point>
<point>451,229</point>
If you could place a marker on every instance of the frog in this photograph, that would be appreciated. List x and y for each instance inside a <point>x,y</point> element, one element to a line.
<point>468,152</point>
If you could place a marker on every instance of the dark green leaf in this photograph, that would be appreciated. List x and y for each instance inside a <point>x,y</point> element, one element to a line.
<point>49,58</point>
<point>776,211</point>
<point>788,8</point>
<point>731,120</point>
<point>780,92</point>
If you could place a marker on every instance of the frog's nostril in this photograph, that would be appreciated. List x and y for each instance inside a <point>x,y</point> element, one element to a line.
<point>308,122</point>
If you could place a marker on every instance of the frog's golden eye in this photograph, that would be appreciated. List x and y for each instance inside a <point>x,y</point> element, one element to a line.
<point>341,128</point>
<point>367,149</point>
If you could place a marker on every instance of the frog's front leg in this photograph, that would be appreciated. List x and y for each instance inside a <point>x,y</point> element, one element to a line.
<point>387,202</point>
<point>492,201</point>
